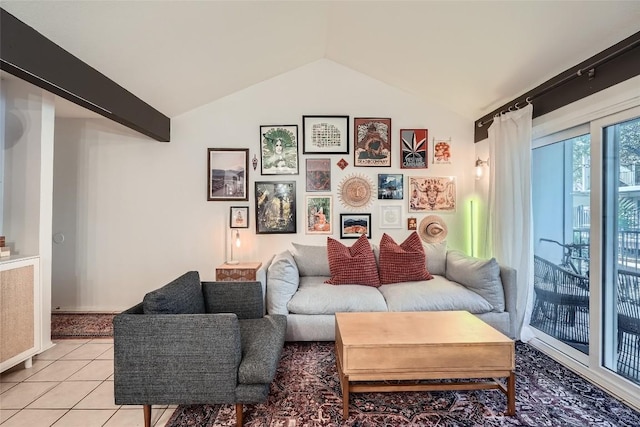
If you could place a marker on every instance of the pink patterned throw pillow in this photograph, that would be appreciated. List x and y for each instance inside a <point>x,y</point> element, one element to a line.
<point>355,265</point>
<point>405,262</point>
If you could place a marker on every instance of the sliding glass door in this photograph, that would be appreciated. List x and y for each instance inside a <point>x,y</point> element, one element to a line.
<point>586,213</point>
<point>621,246</point>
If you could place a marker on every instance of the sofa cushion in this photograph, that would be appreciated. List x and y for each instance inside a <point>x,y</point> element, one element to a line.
<point>402,262</point>
<point>480,275</point>
<point>355,265</point>
<point>435,295</point>
<point>316,297</point>
<point>436,257</point>
<point>181,296</point>
<point>311,260</point>
<point>282,279</point>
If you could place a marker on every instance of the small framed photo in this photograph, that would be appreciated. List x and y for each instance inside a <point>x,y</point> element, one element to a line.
<point>390,186</point>
<point>325,134</point>
<point>432,194</point>
<point>275,207</point>
<point>318,174</point>
<point>239,217</point>
<point>372,142</point>
<point>319,214</point>
<point>413,148</point>
<point>441,151</point>
<point>412,223</point>
<point>227,174</point>
<point>353,226</point>
<point>390,216</point>
<point>279,149</point>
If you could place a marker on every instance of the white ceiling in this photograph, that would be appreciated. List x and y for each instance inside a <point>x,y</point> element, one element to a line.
<point>468,56</point>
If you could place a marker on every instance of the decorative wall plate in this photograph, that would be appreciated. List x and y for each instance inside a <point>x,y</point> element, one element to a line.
<point>356,191</point>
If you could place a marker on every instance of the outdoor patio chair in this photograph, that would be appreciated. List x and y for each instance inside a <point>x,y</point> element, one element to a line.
<point>629,324</point>
<point>561,307</point>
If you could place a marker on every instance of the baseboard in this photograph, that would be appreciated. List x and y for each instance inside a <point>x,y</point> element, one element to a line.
<point>84,312</point>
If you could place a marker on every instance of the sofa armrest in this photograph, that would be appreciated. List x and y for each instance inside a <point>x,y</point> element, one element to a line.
<point>508,276</point>
<point>261,274</point>
<point>175,358</point>
<point>245,299</point>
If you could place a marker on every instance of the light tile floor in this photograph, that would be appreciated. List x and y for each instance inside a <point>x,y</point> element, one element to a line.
<point>69,385</point>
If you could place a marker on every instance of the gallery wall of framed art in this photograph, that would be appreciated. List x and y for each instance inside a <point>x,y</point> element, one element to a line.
<point>326,143</point>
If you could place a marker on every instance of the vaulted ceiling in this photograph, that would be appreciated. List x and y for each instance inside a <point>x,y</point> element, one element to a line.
<point>468,56</point>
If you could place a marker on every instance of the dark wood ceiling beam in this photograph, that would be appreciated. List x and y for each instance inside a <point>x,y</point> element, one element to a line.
<point>29,55</point>
<point>614,65</point>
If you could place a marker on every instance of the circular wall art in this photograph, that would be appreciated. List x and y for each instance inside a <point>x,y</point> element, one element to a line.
<point>356,191</point>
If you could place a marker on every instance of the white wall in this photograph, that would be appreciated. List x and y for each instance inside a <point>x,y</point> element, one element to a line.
<point>28,116</point>
<point>22,162</point>
<point>3,119</point>
<point>135,213</point>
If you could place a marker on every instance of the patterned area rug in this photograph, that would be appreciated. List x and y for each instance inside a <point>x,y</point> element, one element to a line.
<point>306,392</point>
<point>81,325</point>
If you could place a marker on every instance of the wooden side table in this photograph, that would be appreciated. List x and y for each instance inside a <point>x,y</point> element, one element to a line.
<point>242,272</point>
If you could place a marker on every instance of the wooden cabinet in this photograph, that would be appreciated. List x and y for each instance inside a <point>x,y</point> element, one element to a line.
<point>242,272</point>
<point>20,310</point>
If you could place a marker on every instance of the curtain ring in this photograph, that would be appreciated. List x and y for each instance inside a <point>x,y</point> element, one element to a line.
<point>528,100</point>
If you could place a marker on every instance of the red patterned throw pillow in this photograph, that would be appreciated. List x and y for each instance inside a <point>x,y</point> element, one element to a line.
<point>355,265</point>
<point>405,262</point>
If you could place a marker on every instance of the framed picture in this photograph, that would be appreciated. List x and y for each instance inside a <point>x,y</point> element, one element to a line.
<point>390,186</point>
<point>325,134</point>
<point>318,174</point>
<point>432,194</point>
<point>413,148</point>
<point>353,226</point>
<point>275,207</point>
<point>441,151</point>
<point>412,223</point>
<point>390,216</point>
<point>239,217</point>
<point>279,149</point>
<point>372,142</point>
<point>319,214</point>
<point>227,174</point>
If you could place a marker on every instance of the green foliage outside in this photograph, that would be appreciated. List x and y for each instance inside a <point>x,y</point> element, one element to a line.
<point>627,136</point>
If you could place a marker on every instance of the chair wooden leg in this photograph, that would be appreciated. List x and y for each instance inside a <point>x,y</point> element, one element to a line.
<point>239,414</point>
<point>147,415</point>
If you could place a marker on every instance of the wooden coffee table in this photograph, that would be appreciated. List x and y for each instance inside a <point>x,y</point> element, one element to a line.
<point>398,346</point>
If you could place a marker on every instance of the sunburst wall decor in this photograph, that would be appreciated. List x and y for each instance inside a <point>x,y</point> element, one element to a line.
<point>356,191</point>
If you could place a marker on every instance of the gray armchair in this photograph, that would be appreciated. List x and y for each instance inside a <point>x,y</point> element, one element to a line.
<point>197,343</point>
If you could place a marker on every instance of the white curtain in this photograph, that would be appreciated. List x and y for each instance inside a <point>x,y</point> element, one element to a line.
<point>509,219</point>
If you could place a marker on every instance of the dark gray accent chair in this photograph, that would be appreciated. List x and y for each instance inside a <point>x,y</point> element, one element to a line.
<point>193,342</point>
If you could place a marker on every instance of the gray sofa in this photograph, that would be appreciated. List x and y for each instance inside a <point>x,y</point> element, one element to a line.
<point>197,343</point>
<point>294,286</point>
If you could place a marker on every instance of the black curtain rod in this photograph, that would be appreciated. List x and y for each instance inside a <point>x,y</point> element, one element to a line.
<point>589,69</point>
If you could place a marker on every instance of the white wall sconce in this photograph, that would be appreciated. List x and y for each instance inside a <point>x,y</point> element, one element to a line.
<point>235,241</point>
<point>480,164</point>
